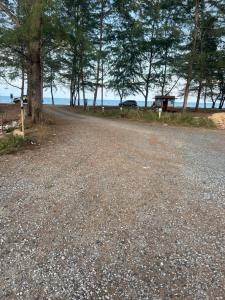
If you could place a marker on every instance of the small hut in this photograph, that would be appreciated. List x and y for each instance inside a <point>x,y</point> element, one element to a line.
<point>164,102</point>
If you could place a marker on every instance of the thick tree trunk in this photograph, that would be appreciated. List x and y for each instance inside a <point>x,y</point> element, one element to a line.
<point>33,47</point>
<point>36,82</point>
<point>29,90</point>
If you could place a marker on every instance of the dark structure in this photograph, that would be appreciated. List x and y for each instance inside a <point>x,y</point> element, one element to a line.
<point>164,102</point>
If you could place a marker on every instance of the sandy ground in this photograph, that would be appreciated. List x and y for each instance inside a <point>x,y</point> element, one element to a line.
<point>114,210</point>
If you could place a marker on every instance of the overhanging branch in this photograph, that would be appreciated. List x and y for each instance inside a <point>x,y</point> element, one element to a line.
<point>8,12</point>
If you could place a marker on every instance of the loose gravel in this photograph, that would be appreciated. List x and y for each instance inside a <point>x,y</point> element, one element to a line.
<point>114,210</point>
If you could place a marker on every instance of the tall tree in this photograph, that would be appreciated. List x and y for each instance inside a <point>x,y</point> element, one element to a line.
<point>192,54</point>
<point>27,17</point>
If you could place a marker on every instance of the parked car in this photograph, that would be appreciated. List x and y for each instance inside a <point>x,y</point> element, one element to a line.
<point>128,103</point>
<point>18,99</point>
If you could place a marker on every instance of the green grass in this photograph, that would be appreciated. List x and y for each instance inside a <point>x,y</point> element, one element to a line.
<point>187,119</point>
<point>11,144</point>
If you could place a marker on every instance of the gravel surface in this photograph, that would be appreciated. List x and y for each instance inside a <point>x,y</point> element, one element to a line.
<point>114,210</point>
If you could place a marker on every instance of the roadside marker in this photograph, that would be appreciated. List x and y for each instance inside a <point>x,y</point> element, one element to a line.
<point>160,112</point>
<point>22,116</point>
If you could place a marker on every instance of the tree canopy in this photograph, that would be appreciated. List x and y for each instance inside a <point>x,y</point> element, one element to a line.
<point>130,47</point>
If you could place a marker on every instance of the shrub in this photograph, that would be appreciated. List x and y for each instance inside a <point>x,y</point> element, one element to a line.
<point>11,144</point>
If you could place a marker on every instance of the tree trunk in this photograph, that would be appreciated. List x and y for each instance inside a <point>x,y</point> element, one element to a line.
<point>33,47</point>
<point>205,97</point>
<point>194,43</point>
<point>146,99</point>
<point>165,72</point>
<point>23,81</point>
<point>121,96</point>
<point>100,53</point>
<point>102,87</point>
<point>149,75</point>
<point>83,90</point>
<point>78,92</point>
<point>36,82</point>
<point>29,90</point>
<point>53,101</point>
<point>221,103</point>
<point>199,95</point>
<point>72,92</point>
<point>71,95</point>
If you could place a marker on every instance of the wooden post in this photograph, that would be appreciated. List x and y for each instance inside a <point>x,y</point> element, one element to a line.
<point>1,125</point>
<point>22,117</point>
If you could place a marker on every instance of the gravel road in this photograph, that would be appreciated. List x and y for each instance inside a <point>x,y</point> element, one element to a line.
<point>114,210</point>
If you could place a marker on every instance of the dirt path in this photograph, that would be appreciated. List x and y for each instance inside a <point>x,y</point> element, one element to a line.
<point>114,210</point>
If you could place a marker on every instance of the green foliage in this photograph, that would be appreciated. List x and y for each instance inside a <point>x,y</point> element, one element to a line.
<point>146,45</point>
<point>11,144</point>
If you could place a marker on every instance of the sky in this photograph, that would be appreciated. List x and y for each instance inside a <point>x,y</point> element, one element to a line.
<point>62,92</point>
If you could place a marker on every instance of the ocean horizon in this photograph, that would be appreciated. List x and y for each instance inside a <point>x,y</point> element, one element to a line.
<point>107,102</point>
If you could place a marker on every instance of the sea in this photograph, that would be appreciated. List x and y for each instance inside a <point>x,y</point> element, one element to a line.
<point>66,101</point>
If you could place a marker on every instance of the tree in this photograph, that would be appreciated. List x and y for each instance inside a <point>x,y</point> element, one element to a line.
<point>28,19</point>
<point>193,51</point>
<point>77,47</point>
<point>101,14</point>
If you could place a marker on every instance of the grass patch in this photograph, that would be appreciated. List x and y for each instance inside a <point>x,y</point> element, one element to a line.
<point>9,145</point>
<point>187,119</point>
<point>34,136</point>
<point>180,119</point>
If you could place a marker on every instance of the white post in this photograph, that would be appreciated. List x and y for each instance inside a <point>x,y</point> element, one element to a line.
<point>160,112</point>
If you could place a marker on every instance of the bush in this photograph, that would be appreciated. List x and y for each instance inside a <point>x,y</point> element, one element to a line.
<point>11,144</point>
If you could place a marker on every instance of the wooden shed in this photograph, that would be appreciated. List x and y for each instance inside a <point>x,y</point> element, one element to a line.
<point>165,102</point>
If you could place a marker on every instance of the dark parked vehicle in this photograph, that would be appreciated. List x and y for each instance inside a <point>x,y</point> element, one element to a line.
<point>128,103</point>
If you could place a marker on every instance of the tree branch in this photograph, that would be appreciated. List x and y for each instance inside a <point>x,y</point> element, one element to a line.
<point>173,86</point>
<point>8,12</point>
<point>7,82</point>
